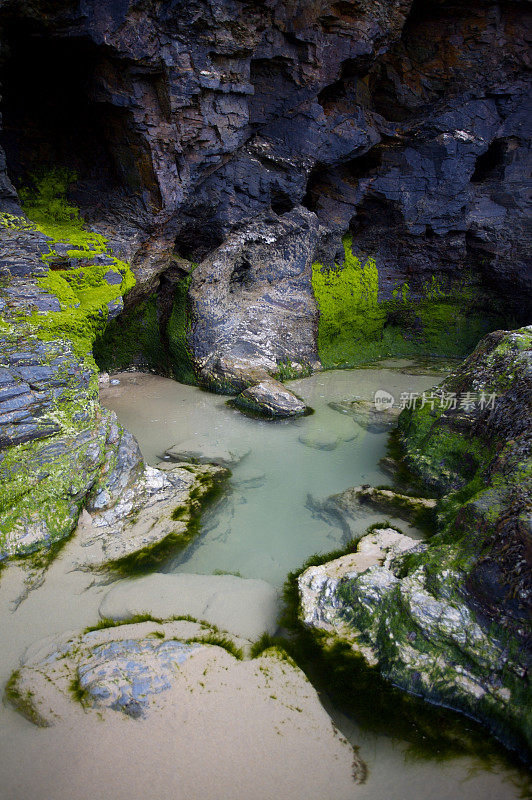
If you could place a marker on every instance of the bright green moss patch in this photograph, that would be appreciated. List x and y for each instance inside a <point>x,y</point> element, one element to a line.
<point>85,293</point>
<point>356,327</point>
<point>45,204</point>
<point>85,296</point>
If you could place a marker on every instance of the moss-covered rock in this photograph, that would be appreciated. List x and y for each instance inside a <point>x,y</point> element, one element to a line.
<point>148,339</point>
<point>451,621</point>
<point>54,438</point>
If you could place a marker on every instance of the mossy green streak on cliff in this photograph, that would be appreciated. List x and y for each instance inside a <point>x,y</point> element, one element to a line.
<point>140,338</point>
<point>85,296</point>
<point>84,292</point>
<point>43,482</point>
<point>132,340</point>
<point>176,333</point>
<point>356,327</point>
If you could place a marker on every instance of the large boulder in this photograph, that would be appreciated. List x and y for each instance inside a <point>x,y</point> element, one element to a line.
<point>252,306</point>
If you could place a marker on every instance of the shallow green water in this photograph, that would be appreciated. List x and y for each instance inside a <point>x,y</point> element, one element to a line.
<point>265,527</point>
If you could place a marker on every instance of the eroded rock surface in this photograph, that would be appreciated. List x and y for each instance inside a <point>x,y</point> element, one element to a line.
<point>320,598</point>
<point>162,688</point>
<point>252,302</point>
<point>138,514</point>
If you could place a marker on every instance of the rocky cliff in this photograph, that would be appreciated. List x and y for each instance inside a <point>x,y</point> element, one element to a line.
<point>402,122</point>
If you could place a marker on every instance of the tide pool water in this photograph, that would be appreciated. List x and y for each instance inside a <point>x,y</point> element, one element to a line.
<point>266,524</point>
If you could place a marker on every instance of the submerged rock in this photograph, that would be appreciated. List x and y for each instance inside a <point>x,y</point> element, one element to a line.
<point>270,398</point>
<point>208,449</point>
<point>243,606</point>
<point>366,414</point>
<point>317,440</point>
<point>350,507</point>
<point>404,506</point>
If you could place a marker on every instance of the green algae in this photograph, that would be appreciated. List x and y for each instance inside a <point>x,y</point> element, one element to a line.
<point>23,702</point>
<point>356,327</point>
<point>43,486</point>
<point>133,339</point>
<point>286,371</point>
<point>141,339</point>
<point>181,366</point>
<point>219,640</point>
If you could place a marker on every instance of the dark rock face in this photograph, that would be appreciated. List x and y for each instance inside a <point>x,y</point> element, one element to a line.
<point>251,302</point>
<point>403,122</point>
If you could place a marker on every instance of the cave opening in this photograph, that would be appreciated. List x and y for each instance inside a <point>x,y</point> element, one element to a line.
<point>490,165</point>
<point>50,119</point>
<point>280,201</point>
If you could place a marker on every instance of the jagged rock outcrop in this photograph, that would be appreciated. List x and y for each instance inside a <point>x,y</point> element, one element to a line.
<point>251,302</point>
<point>60,451</point>
<point>249,137</point>
<point>450,620</point>
<point>396,120</point>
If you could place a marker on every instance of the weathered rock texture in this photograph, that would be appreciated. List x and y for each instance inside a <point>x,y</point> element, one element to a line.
<point>450,620</point>
<point>270,399</point>
<point>252,303</point>
<point>59,450</point>
<point>247,137</point>
<point>404,122</point>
